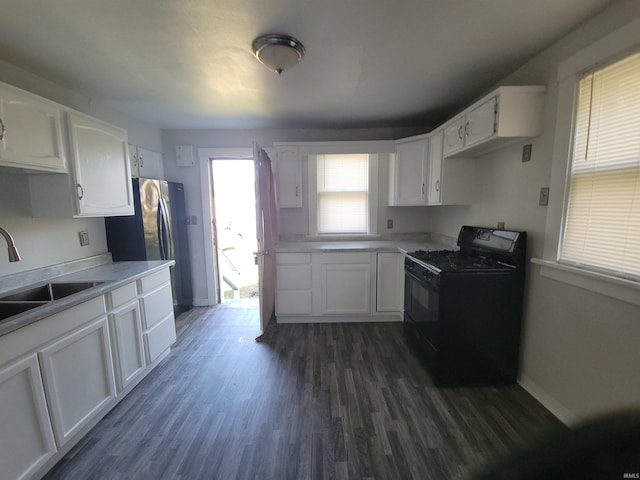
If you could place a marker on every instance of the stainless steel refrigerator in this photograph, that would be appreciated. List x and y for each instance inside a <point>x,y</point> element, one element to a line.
<point>157,231</point>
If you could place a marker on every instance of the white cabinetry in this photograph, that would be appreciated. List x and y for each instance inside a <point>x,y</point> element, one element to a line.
<point>145,163</point>
<point>101,167</point>
<point>506,114</point>
<point>288,173</point>
<point>26,442</point>
<point>30,132</point>
<point>390,282</point>
<point>78,378</point>
<point>451,180</point>
<point>408,171</point>
<point>125,325</point>
<point>159,328</point>
<point>346,283</point>
<point>293,293</point>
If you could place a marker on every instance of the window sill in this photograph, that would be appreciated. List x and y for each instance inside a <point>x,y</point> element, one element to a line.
<point>340,236</point>
<point>619,288</point>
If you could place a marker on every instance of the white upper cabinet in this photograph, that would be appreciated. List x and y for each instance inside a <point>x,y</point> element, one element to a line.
<point>30,132</point>
<point>145,163</point>
<point>451,180</point>
<point>408,171</point>
<point>99,152</point>
<point>288,174</point>
<point>506,114</point>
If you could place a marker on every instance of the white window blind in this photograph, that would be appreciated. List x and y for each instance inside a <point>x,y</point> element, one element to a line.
<point>343,193</point>
<point>602,222</point>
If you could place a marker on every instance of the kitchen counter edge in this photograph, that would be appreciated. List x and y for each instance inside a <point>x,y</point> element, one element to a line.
<point>110,276</point>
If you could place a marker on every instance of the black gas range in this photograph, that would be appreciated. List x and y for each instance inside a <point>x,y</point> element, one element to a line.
<point>463,307</point>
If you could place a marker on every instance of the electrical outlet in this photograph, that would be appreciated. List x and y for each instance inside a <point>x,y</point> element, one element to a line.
<point>84,238</point>
<point>500,225</point>
<point>194,220</point>
<point>544,197</point>
<point>389,224</point>
<point>526,152</point>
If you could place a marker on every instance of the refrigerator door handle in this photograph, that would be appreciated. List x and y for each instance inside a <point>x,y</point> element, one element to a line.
<point>161,226</point>
<point>166,233</point>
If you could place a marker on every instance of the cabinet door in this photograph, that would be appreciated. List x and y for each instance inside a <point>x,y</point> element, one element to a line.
<point>160,337</point>
<point>410,173</point>
<point>150,164</point>
<point>27,441</point>
<point>78,378</point>
<point>480,122</point>
<point>346,288</point>
<point>288,177</point>
<point>30,135</point>
<point>101,167</point>
<point>454,136</point>
<point>390,282</point>
<point>127,345</point>
<point>435,168</point>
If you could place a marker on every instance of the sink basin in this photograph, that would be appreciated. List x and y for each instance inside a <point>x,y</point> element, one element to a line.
<point>9,309</point>
<point>27,298</point>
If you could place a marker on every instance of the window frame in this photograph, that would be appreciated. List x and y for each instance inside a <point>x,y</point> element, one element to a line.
<point>617,44</point>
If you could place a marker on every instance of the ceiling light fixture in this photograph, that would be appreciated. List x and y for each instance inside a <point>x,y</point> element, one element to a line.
<point>278,52</point>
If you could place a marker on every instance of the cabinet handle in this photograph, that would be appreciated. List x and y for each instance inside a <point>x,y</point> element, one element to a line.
<point>423,189</point>
<point>140,161</point>
<point>81,192</point>
<point>437,185</point>
<point>135,160</point>
<point>466,129</point>
<point>296,191</point>
<point>2,129</point>
<point>460,132</point>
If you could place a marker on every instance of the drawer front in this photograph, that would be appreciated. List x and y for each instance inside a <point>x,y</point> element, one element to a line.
<point>159,338</point>
<point>157,305</point>
<point>123,295</point>
<point>289,258</point>
<point>293,302</point>
<point>154,280</point>
<point>293,277</point>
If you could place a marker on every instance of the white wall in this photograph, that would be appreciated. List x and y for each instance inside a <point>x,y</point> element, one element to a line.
<point>44,242</point>
<point>581,352</point>
<point>292,221</point>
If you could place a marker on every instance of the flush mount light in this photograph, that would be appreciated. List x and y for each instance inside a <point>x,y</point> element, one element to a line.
<point>278,52</point>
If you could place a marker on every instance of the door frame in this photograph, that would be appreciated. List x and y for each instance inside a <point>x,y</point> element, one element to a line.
<point>205,156</point>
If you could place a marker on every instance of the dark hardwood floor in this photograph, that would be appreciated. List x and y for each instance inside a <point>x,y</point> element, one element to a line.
<point>317,401</point>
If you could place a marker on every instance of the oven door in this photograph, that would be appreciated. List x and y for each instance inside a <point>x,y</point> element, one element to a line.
<point>421,308</point>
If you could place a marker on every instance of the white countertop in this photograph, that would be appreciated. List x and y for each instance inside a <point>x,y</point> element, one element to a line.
<point>110,276</point>
<point>400,245</point>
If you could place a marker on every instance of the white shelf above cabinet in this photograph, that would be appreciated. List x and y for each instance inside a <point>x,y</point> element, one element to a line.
<point>505,115</point>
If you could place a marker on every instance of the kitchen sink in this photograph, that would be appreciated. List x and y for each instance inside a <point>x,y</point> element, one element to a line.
<point>25,299</point>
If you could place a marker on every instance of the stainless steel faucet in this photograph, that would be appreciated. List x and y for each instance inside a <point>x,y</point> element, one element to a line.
<point>14,256</point>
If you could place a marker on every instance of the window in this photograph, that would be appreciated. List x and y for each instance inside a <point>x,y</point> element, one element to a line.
<point>343,194</point>
<point>602,216</point>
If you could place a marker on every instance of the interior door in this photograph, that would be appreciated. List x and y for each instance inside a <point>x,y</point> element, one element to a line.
<point>266,232</point>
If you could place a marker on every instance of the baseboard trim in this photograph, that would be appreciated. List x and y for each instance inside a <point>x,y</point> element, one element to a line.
<point>556,408</point>
<point>338,318</point>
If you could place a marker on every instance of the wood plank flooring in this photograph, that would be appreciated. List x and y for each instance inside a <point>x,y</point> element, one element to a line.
<point>313,401</point>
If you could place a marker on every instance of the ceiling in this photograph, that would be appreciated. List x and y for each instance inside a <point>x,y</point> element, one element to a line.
<point>182,64</point>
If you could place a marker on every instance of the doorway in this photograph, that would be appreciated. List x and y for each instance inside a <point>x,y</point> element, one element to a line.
<point>234,213</point>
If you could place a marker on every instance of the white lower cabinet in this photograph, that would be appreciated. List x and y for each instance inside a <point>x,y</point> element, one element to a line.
<point>26,442</point>
<point>159,328</point>
<point>293,277</point>
<point>390,282</point>
<point>78,378</point>
<point>346,283</point>
<point>125,325</point>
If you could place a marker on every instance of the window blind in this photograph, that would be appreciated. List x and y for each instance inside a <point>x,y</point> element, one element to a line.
<point>602,221</point>
<point>343,193</point>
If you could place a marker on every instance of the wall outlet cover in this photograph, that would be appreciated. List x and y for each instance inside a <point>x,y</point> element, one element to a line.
<point>501,225</point>
<point>526,152</point>
<point>544,197</point>
<point>84,238</point>
<point>390,224</point>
